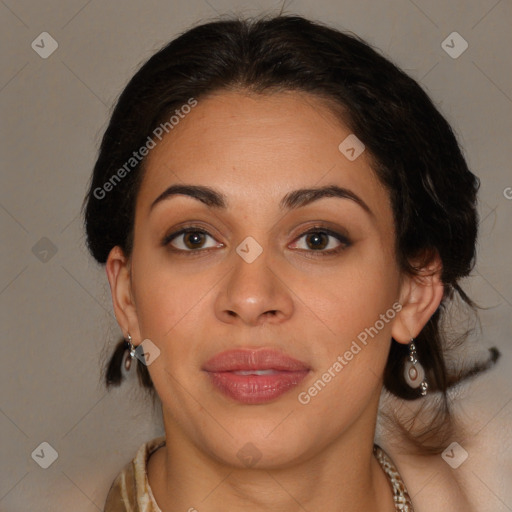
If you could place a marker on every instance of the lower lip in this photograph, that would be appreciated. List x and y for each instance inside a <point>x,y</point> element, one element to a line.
<point>256,389</point>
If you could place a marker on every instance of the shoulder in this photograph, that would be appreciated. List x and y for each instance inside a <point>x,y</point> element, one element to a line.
<point>483,408</point>
<point>121,496</point>
<point>431,485</point>
<point>129,490</point>
<point>474,471</point>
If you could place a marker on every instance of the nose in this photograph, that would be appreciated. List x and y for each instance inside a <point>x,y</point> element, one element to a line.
<point>254,293</point>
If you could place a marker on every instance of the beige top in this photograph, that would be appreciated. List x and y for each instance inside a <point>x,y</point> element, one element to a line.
<point>130,491</point>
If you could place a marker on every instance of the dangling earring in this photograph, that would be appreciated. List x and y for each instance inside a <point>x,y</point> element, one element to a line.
<point>131,354</point>
<point>414,373</point>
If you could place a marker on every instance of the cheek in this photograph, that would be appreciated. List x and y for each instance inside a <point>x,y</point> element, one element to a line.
<point>356,307</point>
<point>353,295</point>
<point>353,349</point>
<point>167,298</point>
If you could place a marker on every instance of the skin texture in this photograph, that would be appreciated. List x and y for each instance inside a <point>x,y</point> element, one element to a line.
<point>255,149</point>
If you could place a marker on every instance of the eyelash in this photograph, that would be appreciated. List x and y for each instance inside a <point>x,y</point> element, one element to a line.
<point>345,242</point>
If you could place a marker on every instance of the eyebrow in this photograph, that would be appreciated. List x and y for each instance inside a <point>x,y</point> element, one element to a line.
<point>295,199</point>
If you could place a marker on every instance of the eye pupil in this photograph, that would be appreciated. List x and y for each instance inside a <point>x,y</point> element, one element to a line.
<point>316,237</point>
<point>196,239</point>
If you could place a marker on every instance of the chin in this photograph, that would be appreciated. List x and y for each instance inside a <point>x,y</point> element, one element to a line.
<point>263,441</point>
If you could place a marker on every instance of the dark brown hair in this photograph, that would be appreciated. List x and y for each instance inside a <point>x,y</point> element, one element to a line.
<point>415,152</point>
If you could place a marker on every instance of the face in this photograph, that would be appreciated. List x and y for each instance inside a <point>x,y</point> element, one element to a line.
<point>313,278</point>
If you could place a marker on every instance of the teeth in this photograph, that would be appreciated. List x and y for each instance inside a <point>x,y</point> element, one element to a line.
<point>255,372</point>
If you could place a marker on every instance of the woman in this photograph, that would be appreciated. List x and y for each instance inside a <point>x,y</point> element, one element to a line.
<point>284,217</point>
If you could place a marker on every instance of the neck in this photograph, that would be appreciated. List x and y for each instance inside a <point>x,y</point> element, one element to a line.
<point>343,476</point>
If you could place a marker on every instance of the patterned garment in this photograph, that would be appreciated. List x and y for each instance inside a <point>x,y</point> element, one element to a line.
<point>130,491</point>
<point>400,495</point>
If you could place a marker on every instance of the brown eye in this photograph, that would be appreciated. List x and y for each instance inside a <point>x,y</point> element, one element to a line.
<point>188,240</point>
<point>193,239</point>
<point>317,240</point>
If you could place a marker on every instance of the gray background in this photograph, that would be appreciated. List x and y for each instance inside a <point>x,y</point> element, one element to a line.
<point>56,314</point>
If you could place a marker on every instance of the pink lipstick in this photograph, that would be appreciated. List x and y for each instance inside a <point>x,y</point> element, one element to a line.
<point>254,376</point>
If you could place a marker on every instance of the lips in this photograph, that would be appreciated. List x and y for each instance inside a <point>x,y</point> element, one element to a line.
<point>245,360</point>
<point>254,376</point>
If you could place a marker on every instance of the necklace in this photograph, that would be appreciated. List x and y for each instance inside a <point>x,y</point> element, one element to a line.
<point>400,495</point>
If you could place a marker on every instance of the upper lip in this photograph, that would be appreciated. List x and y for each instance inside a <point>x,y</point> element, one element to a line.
<point>253,359</point>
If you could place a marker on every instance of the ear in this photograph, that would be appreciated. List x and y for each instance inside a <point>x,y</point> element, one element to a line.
<point>119,278</point>
<point>420,296</point>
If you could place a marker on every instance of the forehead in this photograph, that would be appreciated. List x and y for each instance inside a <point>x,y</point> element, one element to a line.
<point>259,146</point>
